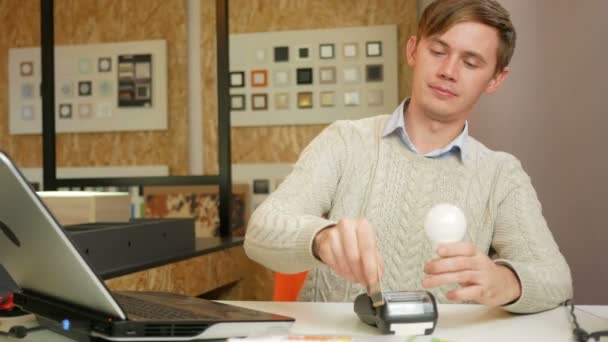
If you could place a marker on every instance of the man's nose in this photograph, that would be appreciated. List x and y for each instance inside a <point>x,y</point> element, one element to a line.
<point>448,69</point>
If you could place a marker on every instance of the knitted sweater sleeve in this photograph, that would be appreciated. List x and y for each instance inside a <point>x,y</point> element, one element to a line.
<point>281,230</point>
<point>525,244</point>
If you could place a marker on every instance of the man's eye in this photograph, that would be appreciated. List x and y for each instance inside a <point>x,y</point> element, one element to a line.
<point>470,65</point>
<point>437,52</point>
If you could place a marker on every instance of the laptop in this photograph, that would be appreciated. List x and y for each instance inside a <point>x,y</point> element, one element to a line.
<point>57,284</point>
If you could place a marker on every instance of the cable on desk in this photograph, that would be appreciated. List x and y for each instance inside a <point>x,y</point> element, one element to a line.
<point>19,331</point>
<point>581,334</point>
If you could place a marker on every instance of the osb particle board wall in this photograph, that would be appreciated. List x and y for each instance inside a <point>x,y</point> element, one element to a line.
<point>284,143</point>
<point>92,21</point>
<point>81,22</point>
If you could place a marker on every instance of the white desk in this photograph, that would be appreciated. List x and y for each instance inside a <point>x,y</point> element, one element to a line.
<point>456,322</point>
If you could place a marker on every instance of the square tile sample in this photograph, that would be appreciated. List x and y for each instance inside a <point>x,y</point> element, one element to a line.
<point>85,110</point>
<point>304,76</point>
<point>259,101</point>
<point>260,55</point>
<point>106,88</point>
<point>27,91</point>
<point>281,101</point>
<point>350,74</point>
<point>237,102</point>
<point>65,111</point>
<point>143,70</point>
<point>282,77</point>
<point>259,78</point>
<point>237,79</point>
<point>305,99</point>
<point>104,64</point>
<point>326,51</point>
<point>85,88</point>
<point>328,99</point>
<point>303,53</point>
<point>351,98</point>
<point>375,97</point>
<point>374,73</point>
<point>27,112</point>
<point>373,49</point>
<point>327,75</point>
<point>84,65</point>
<point>281,53</point>
<point>66,88</point>
<point>350,50</point>
<point>104,110</point>
<point>26,68</point>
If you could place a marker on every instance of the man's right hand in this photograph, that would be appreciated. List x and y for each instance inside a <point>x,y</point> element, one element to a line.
<point>349,249</point>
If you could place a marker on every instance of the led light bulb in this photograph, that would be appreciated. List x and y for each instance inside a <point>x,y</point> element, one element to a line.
<point>445,223</point>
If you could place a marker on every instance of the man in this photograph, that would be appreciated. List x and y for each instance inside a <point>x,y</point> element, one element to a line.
<point>352,210</point>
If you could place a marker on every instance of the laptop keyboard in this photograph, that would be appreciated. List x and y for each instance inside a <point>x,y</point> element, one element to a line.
<point>151,310</point>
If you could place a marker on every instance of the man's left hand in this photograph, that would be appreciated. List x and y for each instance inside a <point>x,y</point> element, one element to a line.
<point>480,279</point>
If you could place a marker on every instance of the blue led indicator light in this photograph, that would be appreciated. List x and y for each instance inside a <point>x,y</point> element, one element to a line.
<point>65,324</point>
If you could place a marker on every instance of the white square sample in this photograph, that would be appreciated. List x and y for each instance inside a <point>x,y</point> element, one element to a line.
<point>350,50</point>
<point>104,110</point>
<point>142,70</point>
<point>27,112</point>
<point>85,110</point>
<point>328,74</point>
<point>236,79</point>
<point>27,91</point>
<point>375,97</point>
<point>84,66</point>
<point>328,98</point>
<point>350,74</point>
<point>259,101</point>
<point>281,100</point>
<point>374,49</point>
<point>66,88</point>
<point>260,55</point>
<point>259,78</point>
<point>327,51</point>
<point>281,77</point>
<point>237,102</point>
<point>351,98</point>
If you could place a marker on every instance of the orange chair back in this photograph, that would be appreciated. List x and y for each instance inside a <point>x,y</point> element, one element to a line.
<point>287,286</point>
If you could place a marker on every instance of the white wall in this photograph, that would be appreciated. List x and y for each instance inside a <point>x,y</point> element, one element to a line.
<point>552,115</point>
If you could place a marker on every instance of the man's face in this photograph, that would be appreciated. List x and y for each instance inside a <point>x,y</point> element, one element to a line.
<point>453,69</point>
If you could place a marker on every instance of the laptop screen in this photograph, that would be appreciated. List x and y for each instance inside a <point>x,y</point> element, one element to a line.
<point>38,254</point>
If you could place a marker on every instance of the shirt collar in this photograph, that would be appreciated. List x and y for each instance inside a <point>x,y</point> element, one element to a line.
<point>396,124</point>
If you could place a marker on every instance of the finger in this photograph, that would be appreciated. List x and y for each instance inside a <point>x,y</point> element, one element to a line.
<point>342,267</point>
<point>367,248</point>
<point>350,248</point>
<point>450,278</point>
<point>469,293</point>
<point>452,249</point>
<point>451,264</point>
<point>380,261</point>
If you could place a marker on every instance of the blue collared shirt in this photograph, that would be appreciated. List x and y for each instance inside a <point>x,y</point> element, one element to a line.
<point>396,124</point>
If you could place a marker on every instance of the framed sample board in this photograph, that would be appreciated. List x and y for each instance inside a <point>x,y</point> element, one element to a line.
<point>98,88</point>
<point>313,76</point>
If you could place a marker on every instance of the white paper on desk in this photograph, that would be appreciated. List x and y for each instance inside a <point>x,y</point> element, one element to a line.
<point>368,338</point>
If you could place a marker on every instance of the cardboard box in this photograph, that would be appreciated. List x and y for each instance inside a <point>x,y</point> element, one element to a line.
<point>75,207</point>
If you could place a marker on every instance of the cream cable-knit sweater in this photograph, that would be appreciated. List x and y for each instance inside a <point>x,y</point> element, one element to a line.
<point>351,171</point>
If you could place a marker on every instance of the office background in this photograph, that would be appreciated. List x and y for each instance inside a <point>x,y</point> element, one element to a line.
<point>550,113</point>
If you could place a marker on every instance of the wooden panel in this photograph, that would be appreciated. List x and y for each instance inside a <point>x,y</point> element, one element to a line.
<point>284,143</point>
<point>82,22</point>
<point>244,279</point>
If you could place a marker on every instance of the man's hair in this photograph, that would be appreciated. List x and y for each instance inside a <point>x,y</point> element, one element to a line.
<point>441,15</point>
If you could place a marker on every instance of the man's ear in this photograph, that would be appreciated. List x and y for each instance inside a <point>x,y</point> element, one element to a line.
<point>496,81</point>
<point>411,50</point>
